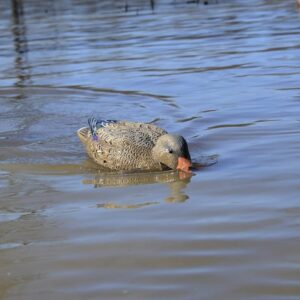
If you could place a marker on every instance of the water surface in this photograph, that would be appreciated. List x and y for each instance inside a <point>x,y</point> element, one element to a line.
<point>224,75</point>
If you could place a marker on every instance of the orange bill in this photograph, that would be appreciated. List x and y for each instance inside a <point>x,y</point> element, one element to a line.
<point>184,164</point>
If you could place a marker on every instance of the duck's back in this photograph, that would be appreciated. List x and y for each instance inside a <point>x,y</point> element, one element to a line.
<point>122,145</point>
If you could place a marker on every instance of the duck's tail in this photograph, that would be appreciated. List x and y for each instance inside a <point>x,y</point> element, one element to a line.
<point>83,134</point>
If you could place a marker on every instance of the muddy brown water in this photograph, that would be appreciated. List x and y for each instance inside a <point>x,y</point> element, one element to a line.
<point>225,75</point>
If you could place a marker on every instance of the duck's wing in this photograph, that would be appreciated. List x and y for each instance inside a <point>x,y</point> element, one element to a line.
<point>120,144</point>
<point>125,145</point>
<point>116,132</point>
<point>88,134</point>
<point>95,124</point>
<point>130,133</point>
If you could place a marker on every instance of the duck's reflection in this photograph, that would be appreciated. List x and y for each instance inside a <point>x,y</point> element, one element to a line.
<point>176,181</point>
<point>177,193</point>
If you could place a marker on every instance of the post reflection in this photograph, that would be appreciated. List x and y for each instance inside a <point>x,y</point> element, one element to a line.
<point>20,43</point>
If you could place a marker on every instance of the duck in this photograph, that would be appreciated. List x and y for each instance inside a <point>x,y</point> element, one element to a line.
<point>127,146</point>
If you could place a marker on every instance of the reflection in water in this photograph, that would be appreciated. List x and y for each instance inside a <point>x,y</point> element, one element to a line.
<point>20,43</point>
<point>177,182</point>
<point>124,206</point>
<point>203,161</point>
<point>152,3</point>
<point>177,191</point>
<point>119,179</point>
<point>127,5</point>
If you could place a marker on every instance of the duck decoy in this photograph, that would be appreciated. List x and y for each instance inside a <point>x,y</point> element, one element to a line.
<point>125,145</point>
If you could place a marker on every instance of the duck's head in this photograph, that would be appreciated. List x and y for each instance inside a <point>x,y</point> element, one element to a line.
<point>173,152</point>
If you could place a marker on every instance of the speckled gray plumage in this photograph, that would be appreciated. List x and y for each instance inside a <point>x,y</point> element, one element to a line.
<point>123,145</point>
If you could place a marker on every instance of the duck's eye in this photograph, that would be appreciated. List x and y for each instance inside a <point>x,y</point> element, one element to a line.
<point>169,150</point>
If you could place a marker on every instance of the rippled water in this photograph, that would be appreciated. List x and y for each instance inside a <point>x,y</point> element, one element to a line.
<point>225,75</point>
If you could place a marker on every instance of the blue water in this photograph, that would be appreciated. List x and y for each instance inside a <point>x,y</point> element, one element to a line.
<point>224,75</point>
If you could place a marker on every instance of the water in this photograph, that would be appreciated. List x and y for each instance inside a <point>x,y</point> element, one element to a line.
<point>224,75</point>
